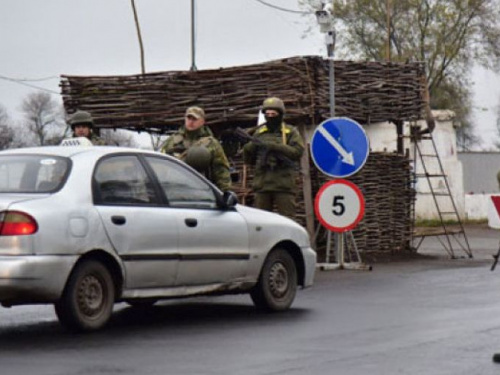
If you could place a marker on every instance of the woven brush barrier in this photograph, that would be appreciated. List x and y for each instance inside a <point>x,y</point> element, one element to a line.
<point>364,91</point>
<point>385,182</point>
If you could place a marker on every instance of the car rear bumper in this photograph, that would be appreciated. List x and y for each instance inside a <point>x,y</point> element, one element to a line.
<point>309,266</point>
<point>34,278</point>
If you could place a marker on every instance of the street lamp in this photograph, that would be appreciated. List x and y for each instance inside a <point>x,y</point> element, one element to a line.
<point>326,26</point>
<point>193,37</point>
<point>325,20</point>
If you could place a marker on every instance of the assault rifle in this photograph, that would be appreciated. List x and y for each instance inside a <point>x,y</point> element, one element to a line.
<point>242,134</point>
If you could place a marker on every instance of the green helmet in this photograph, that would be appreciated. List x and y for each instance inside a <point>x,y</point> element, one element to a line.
<point>81,118</point>
<point>274,103</point>
<point>198,157</point>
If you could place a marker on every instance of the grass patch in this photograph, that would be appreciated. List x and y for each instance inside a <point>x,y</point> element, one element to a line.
<point>437,223</point>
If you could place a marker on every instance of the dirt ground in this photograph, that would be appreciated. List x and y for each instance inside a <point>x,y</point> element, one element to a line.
<point>483,243</point>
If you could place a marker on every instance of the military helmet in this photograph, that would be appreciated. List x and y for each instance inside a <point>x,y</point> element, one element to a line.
<point>196,112</point>
<point>274,103</point>
<point>81,118</point>
<point>198,157</point>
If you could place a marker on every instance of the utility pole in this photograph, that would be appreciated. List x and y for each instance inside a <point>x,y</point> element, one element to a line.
<point>324,16</point>
<point>193,37</point>
<point>388,24</point>
<point>137,27</point>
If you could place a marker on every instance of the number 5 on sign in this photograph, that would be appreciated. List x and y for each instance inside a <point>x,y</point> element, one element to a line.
<point>339,205</point>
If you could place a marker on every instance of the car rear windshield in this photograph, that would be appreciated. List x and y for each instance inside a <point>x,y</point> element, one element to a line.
<point>32,173</point>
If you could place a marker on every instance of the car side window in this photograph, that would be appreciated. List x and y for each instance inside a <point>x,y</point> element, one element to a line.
<point>123,180</point>
<point>182,187</point>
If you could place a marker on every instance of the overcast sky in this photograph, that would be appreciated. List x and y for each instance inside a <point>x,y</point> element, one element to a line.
<point>44,39</point>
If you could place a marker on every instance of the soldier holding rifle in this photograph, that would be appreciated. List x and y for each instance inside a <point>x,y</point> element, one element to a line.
<point>275,150</point>
<point>195,144</point>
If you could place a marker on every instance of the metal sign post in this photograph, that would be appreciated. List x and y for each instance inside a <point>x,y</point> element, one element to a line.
<point>338,152</point>
<point>339,207</point>
<point>339,148</point>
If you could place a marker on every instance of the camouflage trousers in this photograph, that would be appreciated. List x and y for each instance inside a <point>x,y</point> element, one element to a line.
<point>284,203</point>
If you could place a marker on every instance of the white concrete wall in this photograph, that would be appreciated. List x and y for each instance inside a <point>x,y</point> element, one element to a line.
<point>383,137</point>
<point>476,206</point>
<point>481,207</point>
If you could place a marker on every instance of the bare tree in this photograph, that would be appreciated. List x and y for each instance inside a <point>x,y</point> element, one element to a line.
<point>6,132</point>
<point>118,137</point>
<point>450,36</point>
<point>157,141</point>
<point>43,121</point>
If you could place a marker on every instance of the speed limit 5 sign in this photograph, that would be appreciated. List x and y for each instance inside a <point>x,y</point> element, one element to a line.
<point>339,205</point>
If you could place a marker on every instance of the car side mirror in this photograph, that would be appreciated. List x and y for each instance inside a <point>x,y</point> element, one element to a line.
<point>229,199</point>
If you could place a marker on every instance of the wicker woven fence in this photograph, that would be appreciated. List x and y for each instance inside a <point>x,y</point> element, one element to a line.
<point>365,91</point>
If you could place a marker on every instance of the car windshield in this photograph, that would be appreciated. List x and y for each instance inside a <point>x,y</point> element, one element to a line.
<point>32,173</point>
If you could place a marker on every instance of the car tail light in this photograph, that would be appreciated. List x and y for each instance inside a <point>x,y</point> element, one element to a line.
<point>16,223</point>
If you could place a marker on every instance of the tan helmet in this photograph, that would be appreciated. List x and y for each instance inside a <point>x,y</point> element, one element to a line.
<point>196,112</point>
<point>274,103</point>
<point>81,118</point>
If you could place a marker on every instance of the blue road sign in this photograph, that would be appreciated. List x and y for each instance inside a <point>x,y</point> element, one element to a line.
<point>339,147</point>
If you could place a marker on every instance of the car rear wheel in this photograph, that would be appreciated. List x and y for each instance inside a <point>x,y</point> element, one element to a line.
<point>277,285</point>
<point>88,298</point>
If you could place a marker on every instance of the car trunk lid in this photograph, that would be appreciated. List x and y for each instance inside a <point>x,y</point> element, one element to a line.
<point>7,200</point>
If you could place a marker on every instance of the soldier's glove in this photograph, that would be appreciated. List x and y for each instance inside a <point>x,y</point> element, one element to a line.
<point>251,147</point>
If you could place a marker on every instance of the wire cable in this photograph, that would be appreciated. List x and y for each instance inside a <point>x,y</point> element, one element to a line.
<point>282,9</point>
<point>31,79</point>
<point>22,82</point>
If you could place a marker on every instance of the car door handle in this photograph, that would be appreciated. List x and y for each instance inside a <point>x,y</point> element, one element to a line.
<point>118,220</point>
<point>191,222</point>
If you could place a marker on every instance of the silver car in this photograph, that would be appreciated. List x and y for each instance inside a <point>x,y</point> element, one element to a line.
<point>85,227</point>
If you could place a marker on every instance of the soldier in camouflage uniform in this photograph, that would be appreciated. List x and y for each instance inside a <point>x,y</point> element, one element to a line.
<point>82,125</point>
<point>195,144</point>
<point>276,151</point>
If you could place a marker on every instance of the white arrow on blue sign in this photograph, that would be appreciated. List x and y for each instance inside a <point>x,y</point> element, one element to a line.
<point>339,147</point>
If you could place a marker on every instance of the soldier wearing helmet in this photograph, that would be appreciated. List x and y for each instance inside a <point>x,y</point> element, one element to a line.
<point>195,144</point>
<point>82,125</point>
<point>275,153</point>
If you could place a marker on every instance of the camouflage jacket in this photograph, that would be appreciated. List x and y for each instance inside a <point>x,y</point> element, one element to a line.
<point>97,141</point>
<point>178,143</point>
<point>275,157</point>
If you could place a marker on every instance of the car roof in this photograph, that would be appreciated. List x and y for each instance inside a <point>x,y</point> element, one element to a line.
<point>70,151</point>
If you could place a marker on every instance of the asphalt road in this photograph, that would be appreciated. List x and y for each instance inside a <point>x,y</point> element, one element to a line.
<point>425,316</point>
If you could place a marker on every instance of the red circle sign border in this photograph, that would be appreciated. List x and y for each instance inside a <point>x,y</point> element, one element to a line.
<point>360,197</point>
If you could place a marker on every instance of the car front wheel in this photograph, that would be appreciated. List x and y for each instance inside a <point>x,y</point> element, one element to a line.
<point>277,285</point>
<point>88,298</point>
